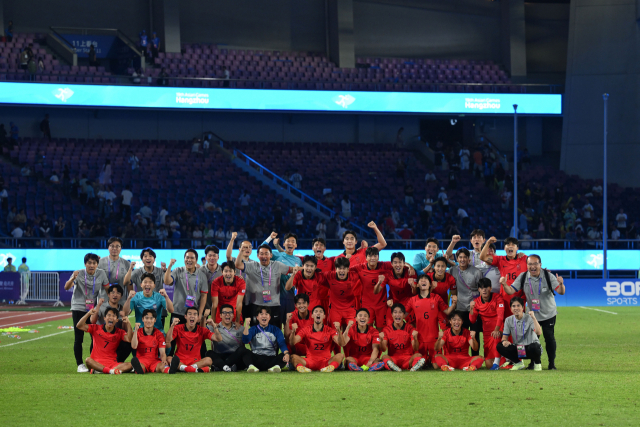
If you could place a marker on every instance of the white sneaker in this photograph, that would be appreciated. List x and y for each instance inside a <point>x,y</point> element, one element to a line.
<point>82,368</point>
<point>252,368</point>
<point>274,369</point>
<point>419,364</point>
<point>226,368</point>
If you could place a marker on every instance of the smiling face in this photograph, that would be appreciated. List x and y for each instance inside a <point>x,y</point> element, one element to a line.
<point>264,255</point>
<point>309,269</point>
<point>148,286</point>
<point>302,306</point>
<point>263,318</point>
<point>349,241</point>
<point>424,284</point>
<point>318,249</point>
<point>463,260</point>
<point>110,319</point>
<point>114,249</point>
<point>398,265</point>
<point>362,318</point>
<point>516,308</point>
<point>533,265</point>
<point>290,245</point>
<point>342,272</point>
<point>149,320</point>
<point>372,260</point>
<point>456,323</point>
<point>91,266</point>
<point>148,259</point>
<point>431,248</point>
<point>228,273</point>
<point>398,315</point>
<point>477,241</point>
<point>226,314</point>
<point>191,317</point>
<point>212,258</point>
<point>318,315</point>
<point>440,268</point>
<point>511,250</point>
<point>190,260</point>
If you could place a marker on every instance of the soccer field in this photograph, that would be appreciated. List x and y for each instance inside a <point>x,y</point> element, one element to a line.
<point>597,383</point>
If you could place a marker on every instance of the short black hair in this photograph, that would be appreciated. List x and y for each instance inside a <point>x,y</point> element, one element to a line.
<point>229,264</point>
<point>114,239</point>
<point>511,240</point>
<point>477,232</point>
<point>424,276</point>
<point>304,297</point>
<point>319,240</point>
<point>346,233</point>
<point>115,288</point>
<point>213,248</point>
<point>311,259</point>
<point>398,255</point>
<point>223,306</point>
<point>150,311</point>
<point>433,240</point>
<point>400,306</point>
<point>463,251</point>
<point>518,300</point>
<point>193,251</point>
<point>536,256</point>
<point>113,310</point>
<point>151,252</point>
<point>342,262</point>
<point>484,283</point>
<point>265,309</point>
<point>267,247</point>
<point>24,259</point>
<point>89,257</point>
<point>318,306</point>
<point>442,259</point>
<point>289,235</point>
<point>191,308</point>
<point>146,275</point>
<point>371,251</point>
<point>365,310</point>
<point>454,314</point>
<point>491,246</point>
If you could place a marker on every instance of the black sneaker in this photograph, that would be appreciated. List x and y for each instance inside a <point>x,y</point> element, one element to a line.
<point>530,367</point>
<point>175,364</point>
<point>137,367</point>
<point>234,368</point>
<point>552,367</point>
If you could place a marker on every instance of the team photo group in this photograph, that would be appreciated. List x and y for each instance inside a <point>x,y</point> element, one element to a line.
<point>454,309</point>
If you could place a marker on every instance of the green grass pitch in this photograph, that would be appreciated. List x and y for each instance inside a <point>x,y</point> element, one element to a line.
<point>597,383</point>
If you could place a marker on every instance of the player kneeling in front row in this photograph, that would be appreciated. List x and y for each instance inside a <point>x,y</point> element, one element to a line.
<point>455,342</point>
<point>524,331</point>
<point>317,339</point>
<point>148,341</point>
<point>266,341</point>
<point>362,344</point>
<point>401,341</point>
<point>188,341</point>
<point>106,339</point>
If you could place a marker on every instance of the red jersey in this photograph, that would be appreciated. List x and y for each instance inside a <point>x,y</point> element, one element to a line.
<point>105,343</point>
<point>342,292</point>
<point>361,343</point>
<point>310,286</point>
<point>188,343</point>
<point>325,265</point>
<point>148,345</point>
<point>442,288</point>
<point>456,344</point>
<point>318,343</point>
<point>228,294</point>
<point>510,269</point>
<point>369,278</point>
<point>357,258</point>
<point>492,312</point>
<point>427,311</point>
<point>399,340</point>
<point>302,323</point>
<point>399,288</point>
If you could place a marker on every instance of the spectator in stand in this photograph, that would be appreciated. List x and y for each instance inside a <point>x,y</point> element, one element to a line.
<point>299,218</point>
<point>17,232</point>
<point>155,45</point>
<point>395,217</point>
<point>45,227</point>
<point>463,217</point>
<point>32,68</point>
<point>408,195</point>
<point>296,180</point>
<point>244,200</point>
<point>587,210</point>
<point>430,176</point>
<point>4,200</point>
<point>242,235</point>
<point>443,199</point>
<point>406,233</point>
<point>465,157</point>
<point>54,178</point>
<point>615,235</point>
<point>45,127</point>
<point>163,77</point>
<point>477,162</point>
<point>226,75</point>
<point>162,234</point>
<point>146,212</point>
<point>25,56</point>
<point>321,229</point>
<point>93,58</point>
<point>105,173</point>
<point>506,198</point>
<point>197,234</point>
<point>230,233</point>
<point>328,200</point>
<point>220,237</point>
<point>15,133</point>
<point>21,218</point>
<point>135,164</point>
<point>126,195</point>
<point>453,180</point>
<point>162,215</point>
<point>8,33</point>
<point>58,228</point>
<point>621,218</point>
<point>143,41</point>
<point>346,206</point>
<point>11,216</point>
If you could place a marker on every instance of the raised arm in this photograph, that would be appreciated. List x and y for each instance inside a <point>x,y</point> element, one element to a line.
<point>472,342</point>
<point>127,277</point>
<point>168,280</point>
<point>414,341</point>
<point>381,242</point>
<point>217,336</point>
<point>69,283</point>
<point>454,302</point>
<point>507,288</point>
<point>378,286</point>
<point>289,285</point>
<point>454,241</point>
<point>344,337</point>
<point>239,263</point>
<point>536,326</point>
<point>82,323</point>
<point>440,342</point>
<point>167,300</point>
<point>484,256</point>
<point>128,328</point>
<point>134,339</point>
<point>383,342</point>
<point>230,246</point>
<point>127,304</point>
<point>560,289</point>
<point>94,317</point>
<point>170,331</point>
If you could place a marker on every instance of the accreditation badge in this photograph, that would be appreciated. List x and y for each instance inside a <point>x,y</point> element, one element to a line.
<point>521,351</point>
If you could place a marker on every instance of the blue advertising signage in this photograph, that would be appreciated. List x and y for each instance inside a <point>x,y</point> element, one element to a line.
<point>276,100</point>
<point>71,259</point>
<point>600,293</point>
<point>104,45</point>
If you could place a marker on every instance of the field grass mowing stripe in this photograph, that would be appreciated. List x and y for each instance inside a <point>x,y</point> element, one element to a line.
<point>595,309</point>
<point>34,320</point>
<point>33,339</point>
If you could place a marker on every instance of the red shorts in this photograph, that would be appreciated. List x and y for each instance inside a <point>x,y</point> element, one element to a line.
<point>343,317</point>
<point>315,364</point>
<point>150,365</point>
<point>459,361</point>
<point>490,344</point>
<point>108,363</point>
<point>300,349</point>
<point>219,319</point>
<point>361,359</point>
<point>428,350</point>
<point>378,315</point>
<point>187,359</point>
<point>401,360</point>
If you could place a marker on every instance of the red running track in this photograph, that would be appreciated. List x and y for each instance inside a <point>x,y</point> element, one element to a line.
<point>27,318</point>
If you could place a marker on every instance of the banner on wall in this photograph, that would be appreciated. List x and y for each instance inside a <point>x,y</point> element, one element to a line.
<point>105,46</point>
<point>9,286</point>
<point>600,293</point>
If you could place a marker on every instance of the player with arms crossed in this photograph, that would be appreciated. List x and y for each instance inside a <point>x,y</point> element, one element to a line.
<point>362,344</point>
<point>317,339</point>
<point>148,341</point>
<point>455,342</point>
<point>400,341</point>
<point>106,339</point>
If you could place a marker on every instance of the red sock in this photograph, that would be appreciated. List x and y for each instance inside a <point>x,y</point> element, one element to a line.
<point>334,364</point>
<point>190,369</point>
<point>299,364</point>
<point>205,368</point>
<point>106,370</point>
<point>165,370</point>
<point>439,361</point>
<point>477,363</point>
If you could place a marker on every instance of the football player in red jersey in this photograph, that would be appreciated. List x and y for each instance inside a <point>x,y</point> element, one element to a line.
<point>189,338</point>
<point>372,276</point>
<point>106,339</point>
<point>148,341</point>
<point>455,342</point>
<point>301,317</point>
<point>362,344</point>
<point>324,264</point>
<point>307,281</point>
<point>429,310</point>
<point>342,286</point>
<point>444,282</point>
<point>318,338</point>
<point>510,266</point>
<point>490,307</point>
<point>402,285</point>
<point>350,239</point>
<point>228,289</point>
<point>400,341</point>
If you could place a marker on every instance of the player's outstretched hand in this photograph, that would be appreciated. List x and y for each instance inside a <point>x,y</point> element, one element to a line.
<point>132,266</point>
<point>75,274</point>
<point>101,301</point>
<point>472,334</point>
<point>414,334</point>
<point>350,324</point>
<point>163,265</point>
<point>381,335</point>
<point>455,238</point>
<point>132,294</point>
<point>273,235</point>
<point>560,279</point>
<point>532,314</point>
<point>454,300</point>
<point>372,225</point>
<point>491,240</point>
<point>163,293</point>
<point>175,322</point>
<point>172,262</point>
<point>234,235</point>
